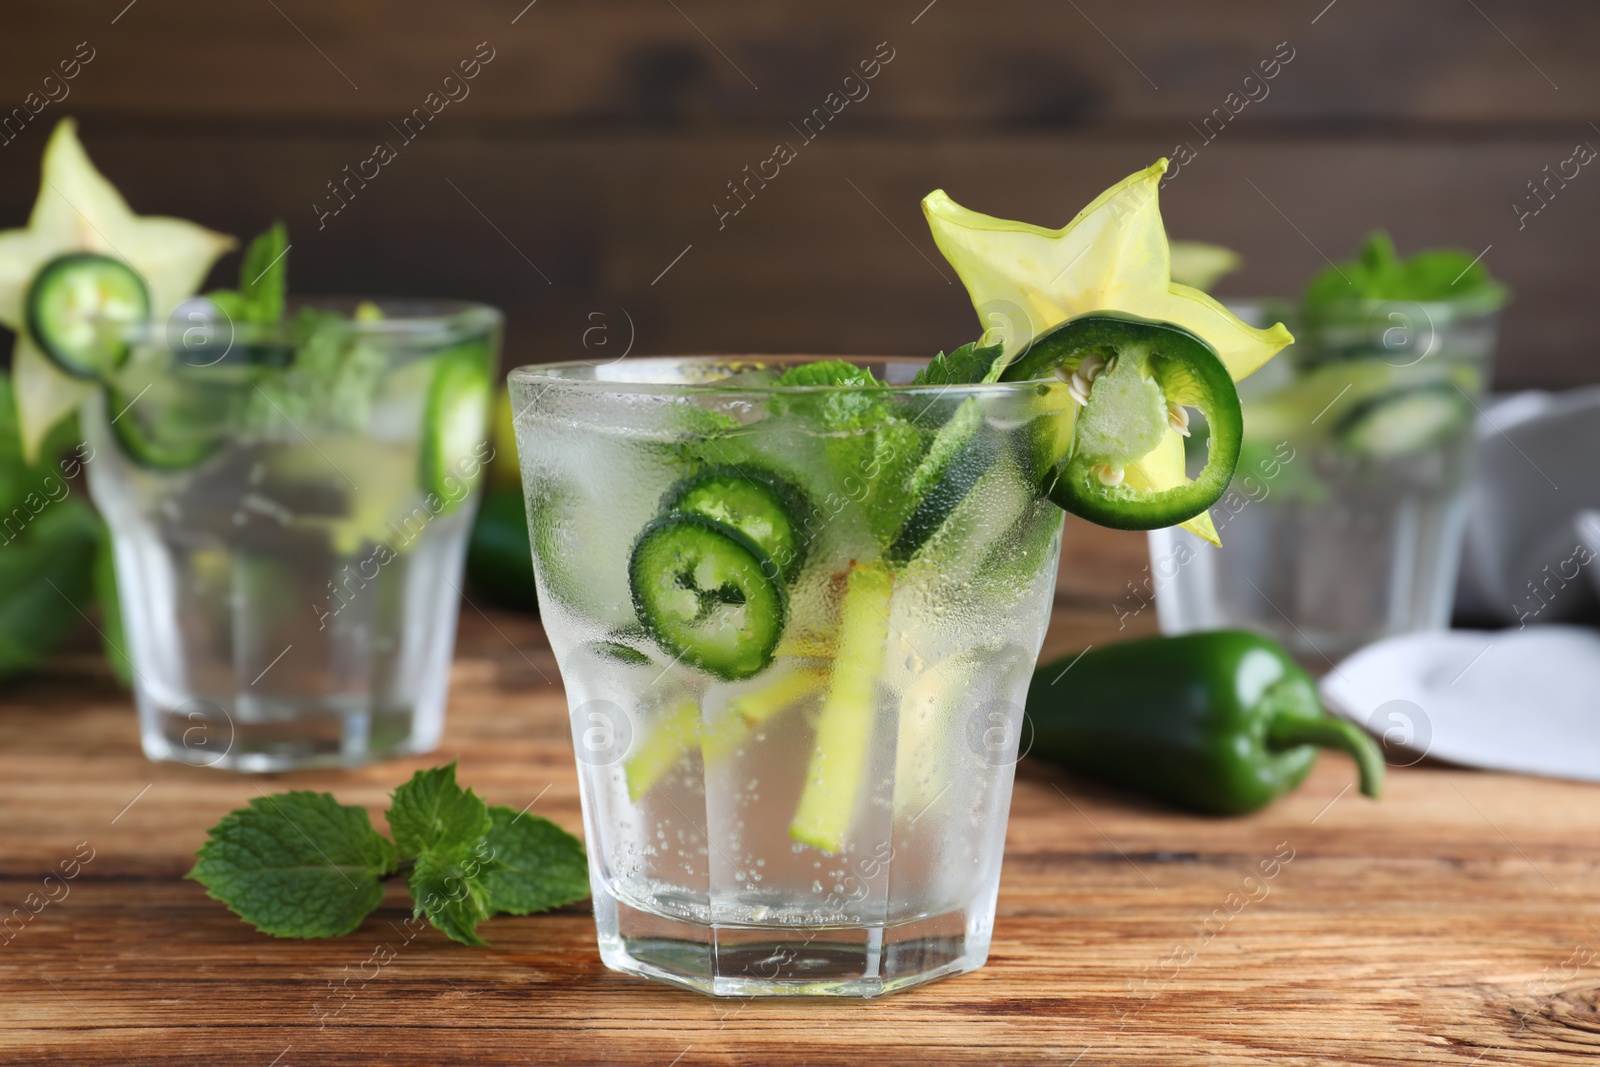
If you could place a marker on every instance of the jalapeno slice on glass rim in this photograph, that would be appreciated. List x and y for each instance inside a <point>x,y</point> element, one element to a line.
<point>1134,380</point>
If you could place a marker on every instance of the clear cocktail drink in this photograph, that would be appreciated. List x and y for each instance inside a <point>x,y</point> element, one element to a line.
<point>289,504</point>
<point>1345,519</point>
<point>796,626</point>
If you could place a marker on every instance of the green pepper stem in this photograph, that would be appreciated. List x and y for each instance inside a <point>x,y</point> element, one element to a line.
<point>1287,730</point>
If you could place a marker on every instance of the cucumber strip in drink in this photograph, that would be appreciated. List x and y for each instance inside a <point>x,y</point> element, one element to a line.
<point>844,729</point>
<point>675,734</point>
<point>753,707</point>
<point>941,480</point>
<point>669,739</point>
<point>1406,422</point>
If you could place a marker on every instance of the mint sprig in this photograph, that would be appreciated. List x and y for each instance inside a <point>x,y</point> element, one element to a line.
<point>870,450</point>
<point>263,280</point>
<point>301,864</point>
<point>1378,272</point>
<point>431,811</point>
<point>967,365</point>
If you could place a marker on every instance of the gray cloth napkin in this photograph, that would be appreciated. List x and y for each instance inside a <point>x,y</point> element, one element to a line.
<point>1532,527</point>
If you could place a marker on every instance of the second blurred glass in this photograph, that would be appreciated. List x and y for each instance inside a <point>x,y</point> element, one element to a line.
<point>1344,521</point>
<point>289,505</point>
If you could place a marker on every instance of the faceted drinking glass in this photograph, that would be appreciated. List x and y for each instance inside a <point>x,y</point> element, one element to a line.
<point>830,821</point>
<point>1345,518</point>
<point>288,535</point>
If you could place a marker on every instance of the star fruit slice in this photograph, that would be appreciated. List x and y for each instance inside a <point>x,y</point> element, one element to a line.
<point>1025,280</point>
<point>78,210</point>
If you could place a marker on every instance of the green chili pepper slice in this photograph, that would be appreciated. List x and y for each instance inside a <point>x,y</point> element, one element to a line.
<point>1136,380</point>
<point>760,505</point>
<point>708,595</point>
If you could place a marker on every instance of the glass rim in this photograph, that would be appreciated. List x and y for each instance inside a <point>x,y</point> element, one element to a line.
<point>559,374</point>
<point>410,320</point>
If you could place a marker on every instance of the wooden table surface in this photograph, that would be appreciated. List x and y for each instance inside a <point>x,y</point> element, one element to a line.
<point>1457,921</point>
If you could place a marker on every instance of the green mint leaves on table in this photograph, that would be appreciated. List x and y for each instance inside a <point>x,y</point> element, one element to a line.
<point>1378,273</point>
<point>301,864</point>
<point>297,864</point>
<point>445,830</point>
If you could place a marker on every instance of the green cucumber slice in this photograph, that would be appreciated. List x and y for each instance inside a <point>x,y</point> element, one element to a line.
<point>455,423</point>
<point>954,463</point>
<point>708,595</point>
<point>763,507</point>
<point>70,301</point>
<point>173,442</point>
<point>1404,423</point>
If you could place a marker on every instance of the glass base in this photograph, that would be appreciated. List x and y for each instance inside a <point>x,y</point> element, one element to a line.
<point>284,737</point>
<point>748,960</point>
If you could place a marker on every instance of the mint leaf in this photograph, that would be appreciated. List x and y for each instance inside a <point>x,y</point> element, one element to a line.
<point>537,865</point>
<point>302,865</point>
<point>870,450</point>
<point>46,551</point>
<point>332,381</point>
<point>447,886</point>
<point>967,365</point>
<point>897,447</point>
<point>1378,273</point>
<point>263,280</point>
<point>444,828</point>
<point>838,409</point>
<point>264,275</point>
<point>296,864</point>
<point>826,372</point>
<point>432,812</point>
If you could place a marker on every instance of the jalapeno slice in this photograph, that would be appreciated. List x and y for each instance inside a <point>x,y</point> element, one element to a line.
<point>708,595</point>
<point>1135,380</point>
<point>760,505</point>
<point>72,298</point>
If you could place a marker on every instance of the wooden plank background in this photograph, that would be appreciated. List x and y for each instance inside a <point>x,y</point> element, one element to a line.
<point>588,153</point>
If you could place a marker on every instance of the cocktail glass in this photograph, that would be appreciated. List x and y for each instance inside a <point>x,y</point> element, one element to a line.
<point>828,819</point>
<point>289,505</point>
<point>1345,518</point>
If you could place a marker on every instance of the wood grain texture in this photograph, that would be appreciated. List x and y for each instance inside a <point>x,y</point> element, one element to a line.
<point>1455,922</point>
<point>598,145</point>
<point>1011,62</point>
